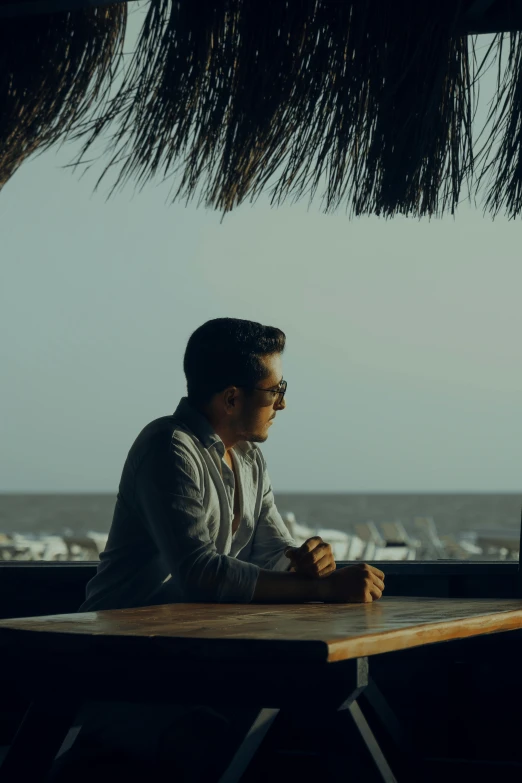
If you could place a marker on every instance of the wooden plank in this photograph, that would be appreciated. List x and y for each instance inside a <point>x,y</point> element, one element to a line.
<point>329,632</point>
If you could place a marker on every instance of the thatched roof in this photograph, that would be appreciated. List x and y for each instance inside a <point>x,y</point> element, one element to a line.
<point>53,70</point>
<point>368,104</point>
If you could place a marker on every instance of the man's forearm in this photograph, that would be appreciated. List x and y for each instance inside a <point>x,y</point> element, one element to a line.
<point>284,587</point>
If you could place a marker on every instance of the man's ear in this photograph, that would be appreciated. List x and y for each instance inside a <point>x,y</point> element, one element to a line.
<point>230,398</point>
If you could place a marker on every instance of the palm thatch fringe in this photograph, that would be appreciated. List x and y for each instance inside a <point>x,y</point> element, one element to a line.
<point>501,157</point>
<point>370,101</point>
<point>53,69</point>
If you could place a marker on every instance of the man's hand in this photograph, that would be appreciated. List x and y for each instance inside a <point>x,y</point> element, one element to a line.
<point>313,558</point>
<point>360,583</point>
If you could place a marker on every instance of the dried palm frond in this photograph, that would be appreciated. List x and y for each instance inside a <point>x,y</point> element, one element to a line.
<point>369,101</point>
<point>53,68</point>
<point>502,152</point>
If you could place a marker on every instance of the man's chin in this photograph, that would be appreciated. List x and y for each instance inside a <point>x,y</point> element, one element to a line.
<point>257,438</point>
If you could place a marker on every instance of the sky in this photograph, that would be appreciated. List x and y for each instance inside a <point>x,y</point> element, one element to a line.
<point>403,353</point>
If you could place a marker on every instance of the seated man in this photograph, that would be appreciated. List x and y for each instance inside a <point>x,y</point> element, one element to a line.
<point>195,517</point>
<point>195,520</point>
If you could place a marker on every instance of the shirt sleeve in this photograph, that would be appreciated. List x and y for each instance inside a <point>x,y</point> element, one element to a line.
<point>271,536</point>
<point>169,498</point>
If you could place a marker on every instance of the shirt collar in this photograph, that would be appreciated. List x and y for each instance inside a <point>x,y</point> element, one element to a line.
<point>203,430</point>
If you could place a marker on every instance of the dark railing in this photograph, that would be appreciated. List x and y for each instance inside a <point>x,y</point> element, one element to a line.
<point>40,588</point>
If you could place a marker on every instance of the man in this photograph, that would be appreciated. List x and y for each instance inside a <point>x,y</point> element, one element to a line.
<point>195,517</point>
<point>195,520</point>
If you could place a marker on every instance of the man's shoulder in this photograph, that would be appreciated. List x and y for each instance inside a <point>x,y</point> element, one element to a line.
<point>163,445</point>
<point>185,440</point>
<point>166,433</point>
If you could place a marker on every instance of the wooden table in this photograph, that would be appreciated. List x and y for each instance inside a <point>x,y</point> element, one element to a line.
<point>131,655</point>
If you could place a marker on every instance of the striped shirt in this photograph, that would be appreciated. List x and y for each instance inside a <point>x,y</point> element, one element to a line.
<point>171,536</point>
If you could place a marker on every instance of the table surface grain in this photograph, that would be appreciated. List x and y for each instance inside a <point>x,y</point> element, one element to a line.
<point>324,632</point>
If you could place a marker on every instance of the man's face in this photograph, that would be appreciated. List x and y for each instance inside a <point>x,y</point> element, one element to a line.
<point>259,407</point>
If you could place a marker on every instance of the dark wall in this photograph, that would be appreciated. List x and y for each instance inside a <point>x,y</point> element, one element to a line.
<point>30,589</point>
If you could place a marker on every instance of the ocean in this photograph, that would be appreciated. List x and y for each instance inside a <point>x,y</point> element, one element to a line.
<point>453,513</point>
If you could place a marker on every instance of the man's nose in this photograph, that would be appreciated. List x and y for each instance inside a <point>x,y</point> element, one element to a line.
<point>281,405</point>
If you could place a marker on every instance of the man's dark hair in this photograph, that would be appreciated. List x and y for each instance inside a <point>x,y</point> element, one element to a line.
<point>227,352</point>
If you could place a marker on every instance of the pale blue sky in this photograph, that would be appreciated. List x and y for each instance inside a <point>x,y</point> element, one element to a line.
<point>403,355</point>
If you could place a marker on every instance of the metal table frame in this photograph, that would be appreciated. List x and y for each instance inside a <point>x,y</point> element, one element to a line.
<point>280,689</point>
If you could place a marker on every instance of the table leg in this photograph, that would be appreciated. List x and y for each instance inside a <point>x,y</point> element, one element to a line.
<point>38,740</point>
<point>249,746</point>
<point>343,739</point>
<point>364,731</point>
<point>379,707</point>
<point>318,726</point>
<point>372,746</point>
